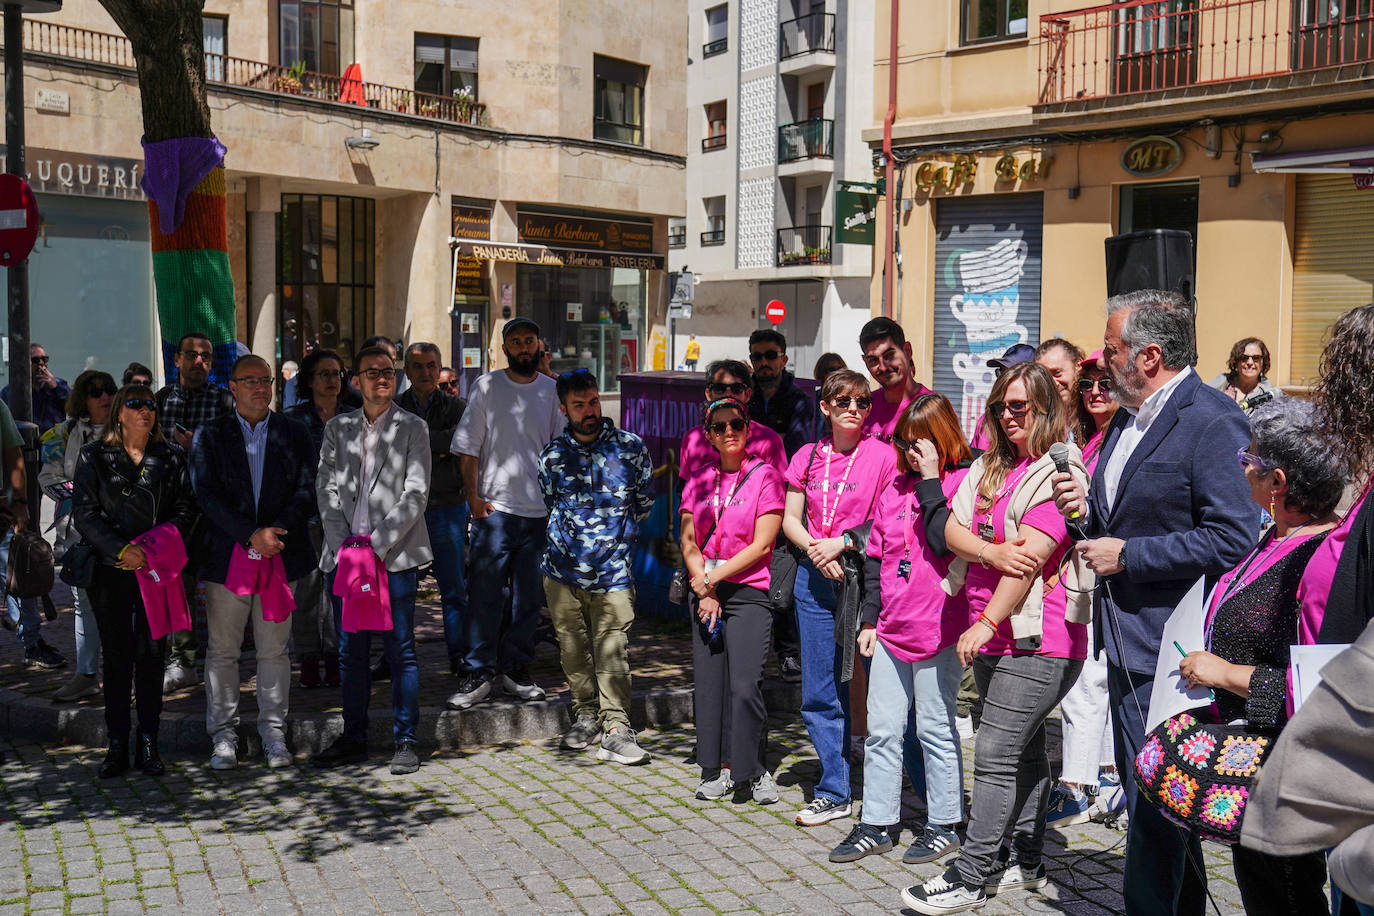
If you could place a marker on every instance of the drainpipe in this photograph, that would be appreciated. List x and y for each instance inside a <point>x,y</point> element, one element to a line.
<point>888,308</point>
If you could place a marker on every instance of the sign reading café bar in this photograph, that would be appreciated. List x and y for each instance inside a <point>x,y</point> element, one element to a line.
<point>585,233</point>
<point>557,257</point>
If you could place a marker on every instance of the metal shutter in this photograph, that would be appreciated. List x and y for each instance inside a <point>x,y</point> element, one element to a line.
<point>987,291</point>
<point>1332,270</point>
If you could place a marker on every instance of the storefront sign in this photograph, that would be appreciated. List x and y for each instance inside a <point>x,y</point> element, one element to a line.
<point>933,175</point>
<point>53,101</point>
<point>555,257</point>
<point>856,215</point>
<point>471,222</point>
<point>470,280</point>
<point>469,322</point>
<point>57,172</point>
<point>1151,156</point>
<point>586,234</point>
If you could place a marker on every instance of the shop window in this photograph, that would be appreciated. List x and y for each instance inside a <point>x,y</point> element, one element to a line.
<point>715,221</point>
<point>214,33</point>
<point>592,318</point>
<point>619,102</point>
<point>326,268</point>
<point>717,31</point>
<point>1167,205</point>
<point>715,127</point>
<point>318,33</point>
<point>446,65</point>
<point>993,20</point>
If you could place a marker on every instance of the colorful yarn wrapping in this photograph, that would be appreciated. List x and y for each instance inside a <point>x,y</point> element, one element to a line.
<point>1241,756</point>
<point>1197,748</point>
<point>1180,724</point>
<point>1178,790</point>
<point>1222,806</point>
<point>1148,760</point>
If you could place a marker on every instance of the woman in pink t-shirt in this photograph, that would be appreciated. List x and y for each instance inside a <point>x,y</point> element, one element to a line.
<point>731,514</point>
<point>831,488</point>
<point>1021,679</point>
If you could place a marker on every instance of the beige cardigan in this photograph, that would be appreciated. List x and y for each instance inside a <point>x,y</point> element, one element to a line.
<point>1032,490</point>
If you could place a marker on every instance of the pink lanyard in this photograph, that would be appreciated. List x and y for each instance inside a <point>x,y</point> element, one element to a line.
<point>908,535</point>
<point>716,503</point>
<point>829,512</point>
<point>1012,480</point>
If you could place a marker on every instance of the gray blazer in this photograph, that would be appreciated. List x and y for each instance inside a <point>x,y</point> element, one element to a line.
<point>395,495</point>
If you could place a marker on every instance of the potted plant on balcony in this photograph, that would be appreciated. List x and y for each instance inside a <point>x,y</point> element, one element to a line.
<point>291,80</point>
<point>817,255</point>
<point>427,107</point>
<point>467,105</point>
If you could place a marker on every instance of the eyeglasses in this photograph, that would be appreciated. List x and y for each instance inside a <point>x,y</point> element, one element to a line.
<point>373,375</point>
<point>1086,385</point>
<point>195,356</point>
<point>248,382</point>
<point>100,391</point>
<point>737,424</point>
<point>141,404</point>
<point>326,375</point>
<point>758,356</point>
<point>38,360</point>
<point>902,444</point>
<point>720,388</point>
<point>843,401</point>
<point>1017,408</point>
<point>1250,459</point>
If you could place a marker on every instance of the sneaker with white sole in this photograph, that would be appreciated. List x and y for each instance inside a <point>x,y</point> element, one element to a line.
<point>764,789</point>
<point>178,676</point>
<point>717,787</point>
<point>1067,807</point>
<point>863,840</point>
<point>472,690</point>
<point>277,755</point>
<point>933,844</point>
<point>945,893</point>
<point>822,810</point>
<point>1015,877</point>
<point>1110,803</point>
<point>622,746</point>
<point>581,734</point>
<point>518,683</point>
<point>225,756</point>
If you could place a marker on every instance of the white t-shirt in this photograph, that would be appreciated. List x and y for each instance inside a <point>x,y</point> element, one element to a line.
<point>506,425</point>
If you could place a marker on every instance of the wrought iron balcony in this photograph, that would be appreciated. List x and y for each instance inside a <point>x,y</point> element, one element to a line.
<point>801,245</point>
<point>712,143</point>
<point>712,48</point>
<point>713,237</point>
<point>677,236</point>
<point>813,139</point>
<point>805,34</point>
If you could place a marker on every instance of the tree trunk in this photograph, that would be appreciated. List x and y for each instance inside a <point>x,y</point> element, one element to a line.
<point>167,43</point>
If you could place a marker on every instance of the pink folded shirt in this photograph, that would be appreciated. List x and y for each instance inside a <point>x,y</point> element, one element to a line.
<point>159,580</point>
<point>250,573</point>
<point>360,580</point>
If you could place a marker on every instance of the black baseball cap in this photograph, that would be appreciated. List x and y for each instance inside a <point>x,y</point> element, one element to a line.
<point>516,324</point>
<point>1016,353</point>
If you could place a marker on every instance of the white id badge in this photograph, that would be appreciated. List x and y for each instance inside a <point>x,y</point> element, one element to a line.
<point>710,563</point>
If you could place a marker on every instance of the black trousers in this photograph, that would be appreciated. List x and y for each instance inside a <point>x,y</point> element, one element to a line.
<point>727,692</point>
<point>133,659</point>
<point>1281,885</point>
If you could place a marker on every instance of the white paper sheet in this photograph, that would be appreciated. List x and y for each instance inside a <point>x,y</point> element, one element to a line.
<point>1306,664</point>
<point>1170,694</point>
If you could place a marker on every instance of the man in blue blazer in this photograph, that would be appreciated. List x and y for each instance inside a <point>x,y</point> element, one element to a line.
<point>254,478</point>
<point>1168,504</point>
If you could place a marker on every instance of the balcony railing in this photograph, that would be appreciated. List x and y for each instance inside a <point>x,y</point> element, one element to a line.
<point>813,139</point>
<point>713,237</point>
<point>102,48</point>
<point>813,32</point>
<point>1146,45</point>
<point>711,143</point>
<point>712,48</point>
<point>799,245</point>
<point>677,237</point>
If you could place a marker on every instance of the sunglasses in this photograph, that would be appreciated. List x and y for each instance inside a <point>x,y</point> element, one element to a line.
<point>843,401</point>
<point>38,360</point>
<point>737,424</point>
<point>373,374</point>
<point>1251,358</point>
<point>141,404</point>
<point>573,372</point>
<point>720,388</point>
<point>1249,459</point>
<point>100,391</point>
<point>902,444</point>
<point>1086,385</point>
<point>1016,408</point>
<point>759,356</point>
<point>449,386</point>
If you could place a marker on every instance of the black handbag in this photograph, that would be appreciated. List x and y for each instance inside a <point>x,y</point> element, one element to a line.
<point>78,565</point>
<point>782,569</point>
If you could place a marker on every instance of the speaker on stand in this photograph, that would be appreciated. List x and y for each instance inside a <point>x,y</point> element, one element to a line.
<point>1151,259</point>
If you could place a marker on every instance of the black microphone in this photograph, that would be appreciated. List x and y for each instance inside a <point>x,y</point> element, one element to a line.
<point>1059,454</point>
<point>1255,400</point>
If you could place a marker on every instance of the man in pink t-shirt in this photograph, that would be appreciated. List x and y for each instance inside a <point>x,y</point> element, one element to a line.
<point>887,356</point>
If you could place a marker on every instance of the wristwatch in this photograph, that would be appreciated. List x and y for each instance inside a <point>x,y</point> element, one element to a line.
<point>1121,557</point>
<point>706,579</point>
<point>848,543</point>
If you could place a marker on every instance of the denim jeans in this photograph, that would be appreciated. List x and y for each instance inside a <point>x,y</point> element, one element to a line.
<point>24,610</point>
<point>505,548</point>
<point>825,700</point>
<point>87,633</point>
<point>1342,903</point>
<point>1011,769</point>
<point>448,537</point>
<point>894,686</point>
<point>398,645</point>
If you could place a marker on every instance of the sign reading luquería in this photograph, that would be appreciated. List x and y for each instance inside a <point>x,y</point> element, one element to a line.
<point>585,233</point>
<point>556,257</point>
<point>57,172</point>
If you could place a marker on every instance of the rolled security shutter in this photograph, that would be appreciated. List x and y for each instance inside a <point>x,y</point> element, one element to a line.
<point>1332,270</point>
<point>987,291</point>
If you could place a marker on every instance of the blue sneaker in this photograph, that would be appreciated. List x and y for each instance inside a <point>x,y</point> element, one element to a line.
<point>1068,807</point>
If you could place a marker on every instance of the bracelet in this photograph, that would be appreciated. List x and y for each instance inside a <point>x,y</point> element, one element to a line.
<point>987,622</point>
<point>980,556</point>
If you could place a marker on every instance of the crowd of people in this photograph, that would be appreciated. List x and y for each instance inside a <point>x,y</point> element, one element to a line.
<point>948,583</point>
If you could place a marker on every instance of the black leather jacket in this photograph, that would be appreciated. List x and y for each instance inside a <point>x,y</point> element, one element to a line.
<point>114,500</point>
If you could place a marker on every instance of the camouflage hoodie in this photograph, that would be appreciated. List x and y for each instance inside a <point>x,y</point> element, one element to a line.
<point>597,495</point>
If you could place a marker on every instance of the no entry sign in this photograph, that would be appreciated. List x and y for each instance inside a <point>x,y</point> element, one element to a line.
<point>775,311</point>
<point>18,220</point>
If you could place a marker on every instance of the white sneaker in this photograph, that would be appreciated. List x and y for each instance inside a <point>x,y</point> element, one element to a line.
<point>717,788</point>
<point>821,811</point>
<point>277,755</point>
<point>964,725</point>
<point>1016,878</point>
<point>519,684</point>
<point>945,893</point>
<point>177,677</point>
<point>225,756</point>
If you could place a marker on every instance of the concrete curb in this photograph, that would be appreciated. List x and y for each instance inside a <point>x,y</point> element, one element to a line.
<point>490,723</point>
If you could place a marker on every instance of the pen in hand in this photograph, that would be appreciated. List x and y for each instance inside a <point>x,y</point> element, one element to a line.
<point>1210,692</point>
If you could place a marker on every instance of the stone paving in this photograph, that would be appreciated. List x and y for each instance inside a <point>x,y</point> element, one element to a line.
<point>521,828</point>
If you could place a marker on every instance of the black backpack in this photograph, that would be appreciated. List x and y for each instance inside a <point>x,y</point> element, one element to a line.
<point>31,570</point>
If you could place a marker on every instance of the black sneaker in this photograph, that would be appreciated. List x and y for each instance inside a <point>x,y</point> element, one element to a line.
<point>789,669</point>
<point>405,760</point>
<point>934,843</point>
<point>474,688</point>
<point>42,655</point>
<point>343,750</point>
<point>863,840</point>
<point>945,893</point>
<point>518,683</point>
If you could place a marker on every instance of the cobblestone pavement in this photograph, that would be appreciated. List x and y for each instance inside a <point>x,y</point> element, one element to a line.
<point>515,829</point>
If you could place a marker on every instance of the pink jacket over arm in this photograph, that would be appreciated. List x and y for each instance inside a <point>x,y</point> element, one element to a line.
<point>250,573</point>
<point>159,582</point>
<point>360,580</point>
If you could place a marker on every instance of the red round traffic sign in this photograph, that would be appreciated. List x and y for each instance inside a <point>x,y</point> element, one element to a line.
<point>775,311</point>
<point>18,220</point>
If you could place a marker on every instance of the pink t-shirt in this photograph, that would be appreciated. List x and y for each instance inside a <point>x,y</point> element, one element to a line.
<point>841,489</point>
<point>1314,589</point>
<point>918,619</point>
<point>761,493</point>
<point>698,452</point>
<point>1060,639</point>
<point>882,418</point>
<point>982,439</point>
<point>1092,451</point>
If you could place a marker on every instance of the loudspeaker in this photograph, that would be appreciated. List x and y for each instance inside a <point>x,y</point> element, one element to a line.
<point>1150,259</point>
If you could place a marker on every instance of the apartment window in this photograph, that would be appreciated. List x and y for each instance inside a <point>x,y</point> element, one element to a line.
<point>717,31</point>
<point>677,232</point>
<point>619,103</point>
<point>715,127</point>
<point>214,33</point>
<point>318,33</point>
<point>326,273</point>
<point>990,20</point>
<point>715,221</point>
<point>446,65</point>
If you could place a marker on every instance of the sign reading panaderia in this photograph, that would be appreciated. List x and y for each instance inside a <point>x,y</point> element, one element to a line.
<point>585,233</point>
<point>556,257</point>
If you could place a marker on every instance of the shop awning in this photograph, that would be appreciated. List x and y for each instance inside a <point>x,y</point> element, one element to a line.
<point>522,253</point>
<point>1355,160</point>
